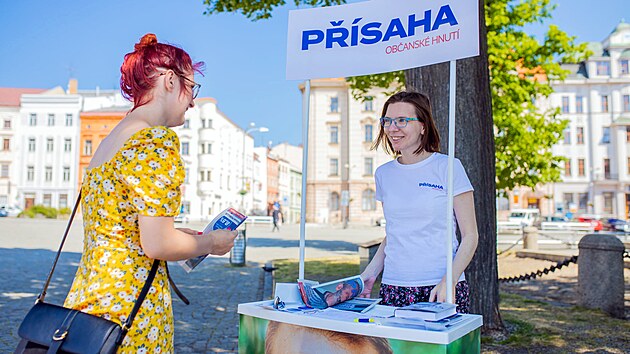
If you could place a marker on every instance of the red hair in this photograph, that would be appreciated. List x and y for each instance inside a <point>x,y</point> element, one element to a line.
<point>139,68</point>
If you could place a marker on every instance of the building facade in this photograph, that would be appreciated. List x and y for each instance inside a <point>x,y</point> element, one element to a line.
<point>595,99</point>
<point>341,164</point>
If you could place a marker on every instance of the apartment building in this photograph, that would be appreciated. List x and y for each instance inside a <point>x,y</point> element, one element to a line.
<point>9,120</point>
<point>341,165</point>
<point>595,99</point>
<point>289,180</point>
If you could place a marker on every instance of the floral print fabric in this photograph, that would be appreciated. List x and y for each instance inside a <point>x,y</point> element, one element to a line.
<point>143,178</point>
<point>399,296</point>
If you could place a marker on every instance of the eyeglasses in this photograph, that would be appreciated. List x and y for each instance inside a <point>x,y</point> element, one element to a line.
<point>398,122</point>
<point>195,87</point>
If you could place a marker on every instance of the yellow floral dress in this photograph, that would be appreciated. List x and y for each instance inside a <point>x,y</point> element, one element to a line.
<point>143,178</point>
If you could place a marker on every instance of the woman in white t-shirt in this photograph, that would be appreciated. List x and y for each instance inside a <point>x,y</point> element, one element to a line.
<point>413,190</point>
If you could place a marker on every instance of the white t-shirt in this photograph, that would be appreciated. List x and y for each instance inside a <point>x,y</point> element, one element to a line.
<point>414,201</point>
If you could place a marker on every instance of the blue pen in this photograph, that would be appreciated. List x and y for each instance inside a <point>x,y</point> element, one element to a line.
<point>364,320</point>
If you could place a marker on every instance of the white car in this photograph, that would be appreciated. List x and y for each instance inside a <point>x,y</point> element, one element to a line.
<point>12,210</point>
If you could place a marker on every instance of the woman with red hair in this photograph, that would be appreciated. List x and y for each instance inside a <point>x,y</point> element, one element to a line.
<point>130,195</point>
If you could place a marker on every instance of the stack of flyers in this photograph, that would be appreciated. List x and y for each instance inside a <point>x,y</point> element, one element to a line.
<point>228,219</point>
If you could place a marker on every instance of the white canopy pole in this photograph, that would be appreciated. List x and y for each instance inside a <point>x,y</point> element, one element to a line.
<point>306,101</point>
<point>450,234</point>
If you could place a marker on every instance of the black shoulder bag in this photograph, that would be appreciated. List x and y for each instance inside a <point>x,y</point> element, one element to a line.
<point>49,328</point>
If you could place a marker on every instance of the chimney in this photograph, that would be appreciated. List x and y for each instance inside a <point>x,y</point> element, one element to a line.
<point>73,86</point>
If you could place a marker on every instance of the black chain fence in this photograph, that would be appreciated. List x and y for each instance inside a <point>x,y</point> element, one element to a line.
<point>538,273</point>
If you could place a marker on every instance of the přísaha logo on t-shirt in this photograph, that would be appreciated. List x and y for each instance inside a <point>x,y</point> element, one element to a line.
<point>436,187</point>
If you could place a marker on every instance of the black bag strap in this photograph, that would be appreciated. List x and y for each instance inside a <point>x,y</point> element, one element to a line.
<point>145,288</point>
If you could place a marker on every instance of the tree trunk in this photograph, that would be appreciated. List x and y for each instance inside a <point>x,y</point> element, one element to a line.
<point>474,146</point>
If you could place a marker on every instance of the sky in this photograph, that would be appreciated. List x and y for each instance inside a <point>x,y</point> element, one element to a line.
<point>45,43</point>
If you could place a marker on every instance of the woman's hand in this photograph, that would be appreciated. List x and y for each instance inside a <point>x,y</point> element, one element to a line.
<point>438,293</point>
<point>368,282</point>
<point>222,241</point>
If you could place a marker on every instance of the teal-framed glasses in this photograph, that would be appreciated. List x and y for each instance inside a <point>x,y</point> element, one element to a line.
<point>398,122</point>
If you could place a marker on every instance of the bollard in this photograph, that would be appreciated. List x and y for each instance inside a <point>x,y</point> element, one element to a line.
<point>237,253</point>
<point>530,238</point>
<point>600,274</point>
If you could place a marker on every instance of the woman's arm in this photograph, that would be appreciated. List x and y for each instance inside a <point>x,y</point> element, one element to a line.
<point>464,206</point>
<point>373,269</point>
<point>160,240</point>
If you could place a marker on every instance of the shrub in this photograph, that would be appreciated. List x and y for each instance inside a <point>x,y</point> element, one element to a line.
<point>48,212</point>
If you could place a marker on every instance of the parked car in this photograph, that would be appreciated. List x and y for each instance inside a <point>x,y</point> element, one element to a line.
<point>616,225</point>
<point>3,213</point>
<point>524,217</point>
<point>595,220</point>
<point>548,219</point>
<point>11,210</point>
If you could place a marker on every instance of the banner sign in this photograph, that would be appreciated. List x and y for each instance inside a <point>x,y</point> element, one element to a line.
<point>379,36</point>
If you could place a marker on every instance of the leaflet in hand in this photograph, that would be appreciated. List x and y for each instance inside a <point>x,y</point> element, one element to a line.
<point>335,292</point>
<point>228,219</point>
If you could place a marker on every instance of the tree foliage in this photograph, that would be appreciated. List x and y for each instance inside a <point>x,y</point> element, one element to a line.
<point>520,70</point>
<point>258,10</point>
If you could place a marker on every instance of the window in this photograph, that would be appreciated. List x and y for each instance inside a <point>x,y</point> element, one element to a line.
<point>209,123</point>
<point>565,104</point>
<point>626,103</point>
<point>334,201</point>
<point>581,168</point>
<point>579,104</point>
<point>368,104</point>
<point>186,124</point>
<point>4,170</point>
<point>368,200</point>
<point>32,120</point>
<point>334,167</point>
<point>186,173</point>
<point>7,124</point>
<point>583,201</point>
<point>567,168</point>
<point>209,176</point>
<point>624,67</point>
<point>628,133</point>
<point>67,145</point>
<point>367,166</point>
<point>6,144</point>
<point>209,148</point>
<point>579,136</point>
<point>51,120</point>
<point>48,174</point>
<point>87,149</point>
<point>185,148</point>
<point>203,123</point>
<point>605,135</point>
<point>604,103</point>
<point>568,201</point>
<point>30,173</point>
<point>66,174</point>
<point>49,144</point>
<point>567,135</point>
<point>608,202</point>
<point>603,68</point>
<point>63,201</point>
<point>607,168</point>
<point>334,104</point>
<point>368,133</point>
<point>31,144</point>
<point>202,148</point>
<point>69,120</point>
<point>334,135</point>
<point>47,199</point>
<point>628,166</point>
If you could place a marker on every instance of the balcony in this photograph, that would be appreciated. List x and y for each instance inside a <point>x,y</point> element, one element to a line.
<point>205,188</point>
<point>606,176</point>
<point>207,160</point>
<point>207,134</point>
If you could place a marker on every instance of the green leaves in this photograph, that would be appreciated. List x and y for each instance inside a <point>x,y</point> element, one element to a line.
<point>258,10</point>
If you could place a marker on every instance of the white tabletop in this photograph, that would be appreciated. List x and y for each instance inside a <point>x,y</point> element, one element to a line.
<point>343,321</point>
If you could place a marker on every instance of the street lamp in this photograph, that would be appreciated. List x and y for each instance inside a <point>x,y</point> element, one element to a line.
<point>252,128</point>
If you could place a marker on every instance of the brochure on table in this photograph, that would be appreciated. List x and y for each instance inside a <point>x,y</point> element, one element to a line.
<point>343,321</point>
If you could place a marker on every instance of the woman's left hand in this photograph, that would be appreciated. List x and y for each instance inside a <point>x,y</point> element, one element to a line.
<point>439,292</point>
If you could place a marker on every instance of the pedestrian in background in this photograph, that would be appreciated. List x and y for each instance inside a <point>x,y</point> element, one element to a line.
<point>275,215</point>
<point>130,194</point>
<point>413,190</point>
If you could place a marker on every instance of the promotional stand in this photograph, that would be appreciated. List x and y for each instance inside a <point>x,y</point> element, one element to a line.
<point>359,39</point>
